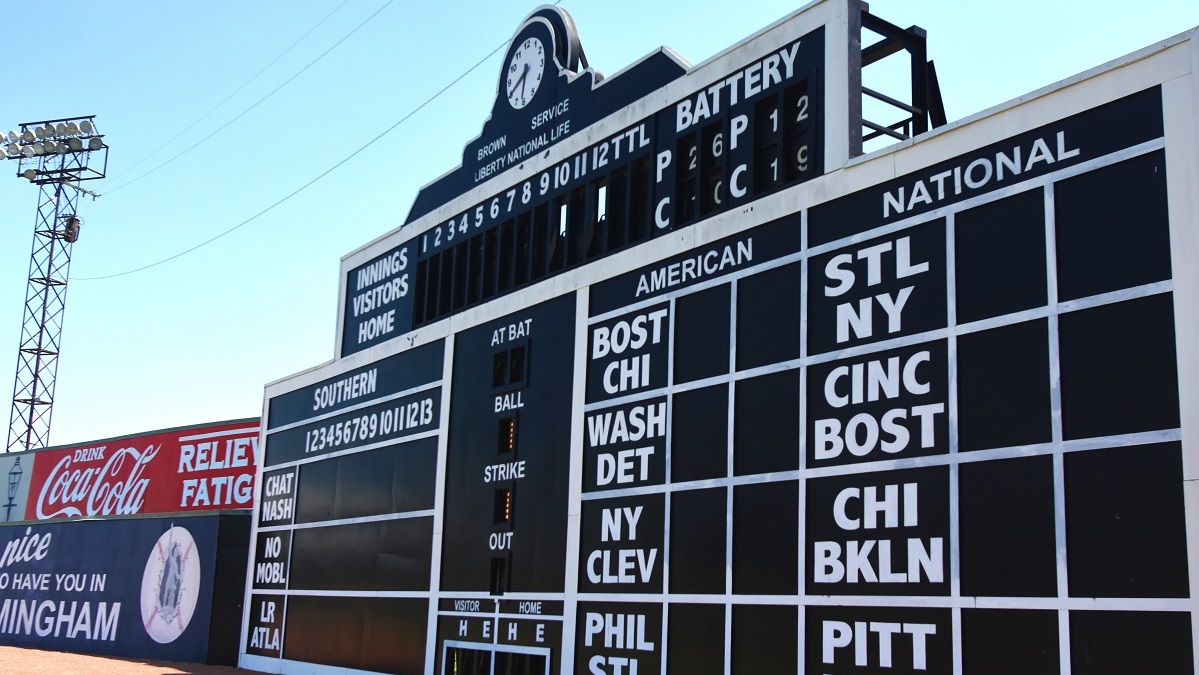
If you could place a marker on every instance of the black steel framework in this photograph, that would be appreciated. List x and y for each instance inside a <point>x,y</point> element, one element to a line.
<point>924,110</point>
<point>64,156</point>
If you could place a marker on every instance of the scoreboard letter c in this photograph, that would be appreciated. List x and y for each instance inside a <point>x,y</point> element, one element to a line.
<point>661,222</point>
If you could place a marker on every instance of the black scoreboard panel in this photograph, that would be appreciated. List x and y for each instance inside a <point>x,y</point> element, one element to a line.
<point>911,421</point>
<point>509,442</point>
<point>344,536</point>
<point>912,445</point>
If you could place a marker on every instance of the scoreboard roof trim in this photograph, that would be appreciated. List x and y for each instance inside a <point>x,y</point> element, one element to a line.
<point>300,373</point>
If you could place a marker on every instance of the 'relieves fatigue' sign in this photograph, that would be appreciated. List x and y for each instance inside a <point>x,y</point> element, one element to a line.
<point>188,469</point>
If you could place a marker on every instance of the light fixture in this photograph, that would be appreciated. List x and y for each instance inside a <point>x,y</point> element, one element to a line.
<point>29,174</point>
<point>14,482</point>
<point>70,233</point>
<point>14,479</point>
<point>35,145</point>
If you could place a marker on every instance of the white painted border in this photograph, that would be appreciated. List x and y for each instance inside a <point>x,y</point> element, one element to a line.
<point>1180,98</point>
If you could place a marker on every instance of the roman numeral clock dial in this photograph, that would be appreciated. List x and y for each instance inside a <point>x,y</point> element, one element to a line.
<point>524,72</point>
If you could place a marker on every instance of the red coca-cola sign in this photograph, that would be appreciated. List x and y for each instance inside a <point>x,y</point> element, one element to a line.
<point>191,469</point>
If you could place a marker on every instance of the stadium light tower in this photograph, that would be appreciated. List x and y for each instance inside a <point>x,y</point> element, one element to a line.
<point>55,155</point>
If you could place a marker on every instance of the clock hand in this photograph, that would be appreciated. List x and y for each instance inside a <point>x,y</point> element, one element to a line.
<point>520,81</point>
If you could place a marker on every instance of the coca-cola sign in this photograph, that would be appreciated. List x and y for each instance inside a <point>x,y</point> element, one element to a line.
<point>116,489</point>
<point>192,469</point>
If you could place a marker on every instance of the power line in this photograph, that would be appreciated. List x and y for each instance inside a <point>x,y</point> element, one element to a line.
<point>305,186</point>
<point>253,77</point>
<point>257,103</point>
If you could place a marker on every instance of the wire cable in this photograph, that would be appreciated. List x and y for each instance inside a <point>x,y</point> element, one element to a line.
<point>305,186</point>
<point>214,108</point>
<point>256,104</point>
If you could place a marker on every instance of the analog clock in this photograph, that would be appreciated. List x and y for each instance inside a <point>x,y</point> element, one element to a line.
<point>522,78</point>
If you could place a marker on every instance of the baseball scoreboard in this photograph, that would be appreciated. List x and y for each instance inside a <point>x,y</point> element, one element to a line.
<point>662,379</point>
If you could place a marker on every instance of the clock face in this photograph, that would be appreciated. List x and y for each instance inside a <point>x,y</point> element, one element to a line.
<point>523,76</point>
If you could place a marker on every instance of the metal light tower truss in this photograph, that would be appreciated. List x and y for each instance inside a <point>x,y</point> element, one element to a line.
<point>55,155</point>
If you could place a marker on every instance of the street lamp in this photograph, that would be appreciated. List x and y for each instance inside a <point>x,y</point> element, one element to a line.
<point>14,482</point>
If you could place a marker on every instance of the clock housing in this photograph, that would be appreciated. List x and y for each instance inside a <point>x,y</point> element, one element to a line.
<point>525,71</point>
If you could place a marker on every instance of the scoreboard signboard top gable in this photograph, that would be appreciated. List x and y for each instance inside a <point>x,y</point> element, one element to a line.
<point>650,149</point>
<point>668,377</point>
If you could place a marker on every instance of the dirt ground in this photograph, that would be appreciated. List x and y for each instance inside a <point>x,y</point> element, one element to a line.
<point>19,661</point>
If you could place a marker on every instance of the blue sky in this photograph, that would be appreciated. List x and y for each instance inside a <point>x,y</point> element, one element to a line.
<point>194,340</point>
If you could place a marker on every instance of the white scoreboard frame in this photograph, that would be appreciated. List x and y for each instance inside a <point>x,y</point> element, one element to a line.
<point>1173,64</point>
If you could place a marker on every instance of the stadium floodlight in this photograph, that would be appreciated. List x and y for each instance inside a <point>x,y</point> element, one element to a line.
<point>37,143</point>
<point>56,156</point>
